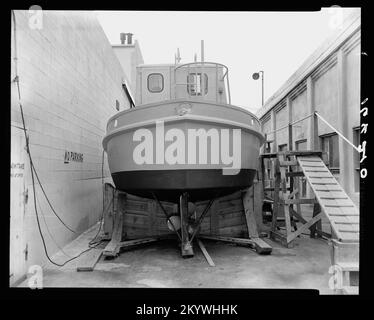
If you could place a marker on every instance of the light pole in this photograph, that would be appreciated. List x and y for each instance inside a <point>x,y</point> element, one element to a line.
<point>256,76</point>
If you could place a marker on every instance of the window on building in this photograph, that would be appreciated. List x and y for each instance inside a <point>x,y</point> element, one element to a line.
<point>282,147</point>
<point>301,145</point>
<point>155,82</point>
<point>330,144</point>
<point>195,84</point>
<point>356,159</point>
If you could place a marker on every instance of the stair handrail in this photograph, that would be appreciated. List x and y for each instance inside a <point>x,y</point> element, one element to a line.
<point>339,133</point>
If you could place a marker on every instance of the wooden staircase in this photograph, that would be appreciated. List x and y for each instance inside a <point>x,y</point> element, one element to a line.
<point>335,203</point>
<point>329,200</point>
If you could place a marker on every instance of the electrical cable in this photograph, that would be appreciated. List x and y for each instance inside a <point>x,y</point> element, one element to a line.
<point>33,171</point>
<point>16,79</point>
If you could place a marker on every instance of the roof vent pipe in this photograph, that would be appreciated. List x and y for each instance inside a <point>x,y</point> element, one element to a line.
<point>123,38</point>
<point>129,38</point>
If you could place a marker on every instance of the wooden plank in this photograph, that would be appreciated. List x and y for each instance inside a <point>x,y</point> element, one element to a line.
<point>272,189</point>
<point>321,181</point>
<point>318,225</point>
<point>88,261</point>
<point>242,241</point>
<point>297,215</point>
<point>349,236</point>
<point>295,174</point>
<point>334,196</point>
<point>229,222</point>
<point>298,201</point>
<point>307,164</point>
<point>258,244</point>
<point>239,230</point>
<point>214,217</point>
<point>258,198</point>
<point>345,219</point>
<point>302,228</point>
<point>316,169</point>
<point>186,246</point>
<point>112,248</point>
<point>350,211</point>
<point>347,227</point>
<point>319,175</point>
<point>310,159</point>
<point>205,253</point>
<point>261,246</point>
<point>285,163</point>
<point>136,242</point>
<point>248,205</point>
<point>108,208</point>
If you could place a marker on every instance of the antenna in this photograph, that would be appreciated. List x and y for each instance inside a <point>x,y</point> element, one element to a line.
<point>177,57</point>
<point>195,57</point>
<point>202,50</point>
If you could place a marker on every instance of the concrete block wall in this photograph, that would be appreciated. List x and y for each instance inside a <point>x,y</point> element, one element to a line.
<point>70,80</point>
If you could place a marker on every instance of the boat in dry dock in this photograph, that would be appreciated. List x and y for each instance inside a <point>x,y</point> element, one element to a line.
<point>184,136</point>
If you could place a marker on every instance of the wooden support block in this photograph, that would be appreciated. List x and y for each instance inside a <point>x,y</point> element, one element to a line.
<point>248,204</point>
<point>277,236</point>
<point>261,246</point>
<point>89,260</point>
<point>205,253</point>
<point>295,174</point>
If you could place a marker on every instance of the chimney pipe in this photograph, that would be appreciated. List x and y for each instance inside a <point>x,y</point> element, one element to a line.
<point>129,38</point>
<point>123,38</point>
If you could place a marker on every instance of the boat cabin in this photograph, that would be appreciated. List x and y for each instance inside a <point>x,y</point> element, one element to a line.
<point>203,81</point>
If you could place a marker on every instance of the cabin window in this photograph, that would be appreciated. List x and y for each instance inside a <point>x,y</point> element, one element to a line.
<point>155,82</point>
<point>195,84</point>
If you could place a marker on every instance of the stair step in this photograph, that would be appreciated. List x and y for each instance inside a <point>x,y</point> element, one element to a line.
<point>348,266</point>
<point>350,290</point>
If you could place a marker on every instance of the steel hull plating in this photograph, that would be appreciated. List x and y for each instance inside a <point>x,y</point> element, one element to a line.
<point>169,184</point>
